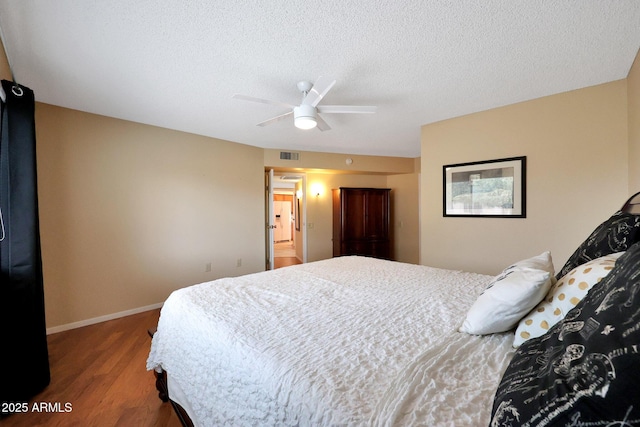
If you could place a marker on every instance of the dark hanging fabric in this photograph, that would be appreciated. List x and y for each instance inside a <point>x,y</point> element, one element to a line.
<point>24,359</point>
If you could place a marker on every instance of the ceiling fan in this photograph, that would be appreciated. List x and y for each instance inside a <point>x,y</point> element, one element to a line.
<point>305,115</point>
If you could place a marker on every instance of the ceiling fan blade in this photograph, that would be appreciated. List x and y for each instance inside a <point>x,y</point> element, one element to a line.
<point>318,91</point>
<point>275,119</point>
<point>357,109</point>
<point>262,101</point>
<point>322,125</point>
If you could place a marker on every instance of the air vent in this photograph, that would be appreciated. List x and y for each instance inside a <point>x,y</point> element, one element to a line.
<point>287,155</point>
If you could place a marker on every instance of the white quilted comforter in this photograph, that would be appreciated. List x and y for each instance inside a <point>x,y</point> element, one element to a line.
<point>348,341</point>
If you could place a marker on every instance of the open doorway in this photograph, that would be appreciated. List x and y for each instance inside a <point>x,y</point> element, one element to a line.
<point>284,237</point>
<point>287,211</point>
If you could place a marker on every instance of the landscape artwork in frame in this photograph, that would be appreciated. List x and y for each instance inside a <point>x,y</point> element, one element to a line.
<point>491,188</point>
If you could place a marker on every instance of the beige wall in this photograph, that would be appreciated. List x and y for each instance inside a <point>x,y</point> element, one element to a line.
<point>5,71</point>
<point>338,162</point>
<point>576,145</point>
<point>405,205</point>
<point>633,98</point>
<point>130,212</point>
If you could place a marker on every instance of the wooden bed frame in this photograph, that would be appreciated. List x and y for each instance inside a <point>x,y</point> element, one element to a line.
<point>632,205</point>
<point>163,393</point>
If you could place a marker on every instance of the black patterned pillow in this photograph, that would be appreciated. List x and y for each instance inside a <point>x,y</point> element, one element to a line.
<point>616,234</point>
<point>586,369</point>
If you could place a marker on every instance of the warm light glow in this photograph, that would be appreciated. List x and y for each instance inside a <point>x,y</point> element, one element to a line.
<point>317,189</point>
<point>305,123</point>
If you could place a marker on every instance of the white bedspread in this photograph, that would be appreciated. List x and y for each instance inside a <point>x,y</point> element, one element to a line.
<point>346,341</point>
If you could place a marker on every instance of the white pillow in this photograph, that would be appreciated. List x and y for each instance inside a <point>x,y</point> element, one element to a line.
<point>563,296</point>
<point>510,296</point>
<point>540,262</point>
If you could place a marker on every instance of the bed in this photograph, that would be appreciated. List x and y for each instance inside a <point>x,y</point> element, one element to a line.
<point>361,341</point>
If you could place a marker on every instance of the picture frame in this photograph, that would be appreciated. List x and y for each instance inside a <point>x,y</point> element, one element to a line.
<point>489,188</point>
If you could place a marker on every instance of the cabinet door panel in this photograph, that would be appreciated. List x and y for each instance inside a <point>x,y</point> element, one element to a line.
<point>376,215</point>
<point>354,248</point>
<point>353,211</point>
<point>361,222</point>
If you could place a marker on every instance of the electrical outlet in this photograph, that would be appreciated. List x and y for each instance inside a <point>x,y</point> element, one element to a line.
<point>207,267</point>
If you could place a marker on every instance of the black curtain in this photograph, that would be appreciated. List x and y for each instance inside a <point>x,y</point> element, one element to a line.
<point>24,359</point>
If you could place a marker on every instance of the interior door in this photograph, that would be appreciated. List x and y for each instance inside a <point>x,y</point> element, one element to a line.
<point>285,221</point>
<point>269,220</point>
<point>278,221</point>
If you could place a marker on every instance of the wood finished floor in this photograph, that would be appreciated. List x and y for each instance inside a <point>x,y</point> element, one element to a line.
<point>284,254</point>
<point>279,262</point>
<point>100,370</point>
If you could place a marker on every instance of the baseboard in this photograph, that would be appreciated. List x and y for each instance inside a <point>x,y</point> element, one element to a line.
<point>104,318</point>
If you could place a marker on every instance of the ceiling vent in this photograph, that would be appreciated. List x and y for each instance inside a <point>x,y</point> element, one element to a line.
<point>288,155</point>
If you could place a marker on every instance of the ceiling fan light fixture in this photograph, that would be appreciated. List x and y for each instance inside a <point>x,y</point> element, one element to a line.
<point>306,123</point>
<point>307,114</point>
<point>304,117</point>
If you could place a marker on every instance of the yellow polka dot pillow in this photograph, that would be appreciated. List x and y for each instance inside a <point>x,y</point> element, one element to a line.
<point>567,292</point>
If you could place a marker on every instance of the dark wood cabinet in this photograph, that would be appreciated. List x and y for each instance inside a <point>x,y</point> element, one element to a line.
<point>361,222</point>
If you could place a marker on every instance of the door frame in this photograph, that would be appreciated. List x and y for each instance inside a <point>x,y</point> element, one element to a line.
<point>269,251</point>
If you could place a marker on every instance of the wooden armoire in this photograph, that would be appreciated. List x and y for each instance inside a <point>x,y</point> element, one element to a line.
<point>361,219</point>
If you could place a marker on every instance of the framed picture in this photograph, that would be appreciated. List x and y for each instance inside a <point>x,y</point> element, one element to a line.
<point>491,188</point>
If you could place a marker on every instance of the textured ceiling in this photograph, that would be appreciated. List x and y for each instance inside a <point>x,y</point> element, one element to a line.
<point>177,64</point>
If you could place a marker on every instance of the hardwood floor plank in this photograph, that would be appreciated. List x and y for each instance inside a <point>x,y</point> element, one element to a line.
<point>100,371</point>
<point>279,262</point>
